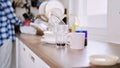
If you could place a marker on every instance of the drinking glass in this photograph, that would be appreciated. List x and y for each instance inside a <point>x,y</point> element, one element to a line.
<point>61,30</point>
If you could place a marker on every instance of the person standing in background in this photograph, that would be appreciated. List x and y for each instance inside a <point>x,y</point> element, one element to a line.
<point>8,20</point>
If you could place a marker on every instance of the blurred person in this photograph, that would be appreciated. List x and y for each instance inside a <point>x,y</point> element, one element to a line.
<point>8,20</point>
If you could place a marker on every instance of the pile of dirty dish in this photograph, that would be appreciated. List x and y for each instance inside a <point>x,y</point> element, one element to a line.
<point>50,12</point>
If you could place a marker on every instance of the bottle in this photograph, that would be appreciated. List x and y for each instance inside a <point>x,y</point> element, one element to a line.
<point>76,25</point>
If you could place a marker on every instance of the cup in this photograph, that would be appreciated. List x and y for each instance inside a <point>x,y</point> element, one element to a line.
<point>76,40</point>
<point>61,32</point>
<point>83,31</point>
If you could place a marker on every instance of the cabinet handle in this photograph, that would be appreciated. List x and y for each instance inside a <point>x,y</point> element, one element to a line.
<point>24,49</point>
<point>33,59</point>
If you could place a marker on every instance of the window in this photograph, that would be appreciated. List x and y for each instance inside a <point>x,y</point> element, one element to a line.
<point>92,15</point>
<point>97,13</point>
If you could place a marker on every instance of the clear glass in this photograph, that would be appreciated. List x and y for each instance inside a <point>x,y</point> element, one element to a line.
<point>61,31</point>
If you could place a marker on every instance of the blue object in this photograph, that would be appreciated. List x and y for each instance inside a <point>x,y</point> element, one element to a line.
<point>82,31</point>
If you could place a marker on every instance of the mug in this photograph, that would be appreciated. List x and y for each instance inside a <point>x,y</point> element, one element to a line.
<point>76,40</point>
<point>83,31</point>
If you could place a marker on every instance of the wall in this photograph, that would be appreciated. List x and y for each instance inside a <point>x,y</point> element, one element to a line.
<point>65,3</point>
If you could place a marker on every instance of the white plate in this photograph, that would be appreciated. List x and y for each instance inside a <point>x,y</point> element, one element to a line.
<point>103,60</point>
<point>42,25</point>
<point>55,12</point>
<point>54,6</point>
<point>48,34</point>
<point>28,30</point>
<point>48,40</point>
<point>42,7</point>
<point>42,10</point>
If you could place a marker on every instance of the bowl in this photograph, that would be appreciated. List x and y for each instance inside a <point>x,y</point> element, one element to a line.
<point>104,60</point>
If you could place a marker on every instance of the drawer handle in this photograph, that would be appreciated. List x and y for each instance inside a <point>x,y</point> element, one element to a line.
<point>33,59</point>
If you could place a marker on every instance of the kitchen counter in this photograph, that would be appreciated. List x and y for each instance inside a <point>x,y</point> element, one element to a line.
<point>66,57</point>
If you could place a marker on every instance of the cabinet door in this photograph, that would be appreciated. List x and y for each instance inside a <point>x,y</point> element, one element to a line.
<point>23,56</point>
<point>37,61</point>
<point>28,59</point>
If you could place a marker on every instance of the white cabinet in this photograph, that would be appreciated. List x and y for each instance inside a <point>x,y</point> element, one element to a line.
<point>27,59</point>
<point>114,21</point>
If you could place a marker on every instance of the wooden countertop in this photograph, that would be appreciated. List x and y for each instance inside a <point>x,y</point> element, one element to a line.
<point>66,57</point>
